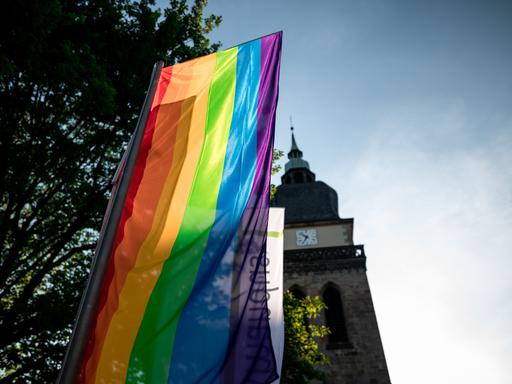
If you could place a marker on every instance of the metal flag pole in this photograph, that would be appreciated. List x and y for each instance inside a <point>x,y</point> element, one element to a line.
<point>86,311</point>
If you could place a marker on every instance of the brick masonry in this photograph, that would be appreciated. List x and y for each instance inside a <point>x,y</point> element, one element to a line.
<point>361,361</point>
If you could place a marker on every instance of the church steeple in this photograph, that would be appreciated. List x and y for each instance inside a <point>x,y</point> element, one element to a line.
<point>295,152</point>
<point>296,169</point>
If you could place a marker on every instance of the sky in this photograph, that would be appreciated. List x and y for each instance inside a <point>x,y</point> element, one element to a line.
<point>405,108</point>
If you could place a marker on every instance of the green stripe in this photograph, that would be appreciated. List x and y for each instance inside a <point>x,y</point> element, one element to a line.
<point>274,233</point>
<point>152,351</point>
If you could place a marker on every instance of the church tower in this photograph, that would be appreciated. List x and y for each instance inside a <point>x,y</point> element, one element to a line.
<point>320,258</point>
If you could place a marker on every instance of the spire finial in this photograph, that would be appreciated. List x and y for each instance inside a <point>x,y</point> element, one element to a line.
<point>295,155</point>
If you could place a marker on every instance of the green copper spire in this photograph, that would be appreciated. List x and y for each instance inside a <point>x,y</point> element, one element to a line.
<point>295,156</point>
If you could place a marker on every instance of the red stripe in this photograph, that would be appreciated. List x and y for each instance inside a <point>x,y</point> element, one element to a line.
<point>135,181</point>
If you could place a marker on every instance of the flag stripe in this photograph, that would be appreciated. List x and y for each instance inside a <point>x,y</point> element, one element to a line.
<point>190,85</point>
<point>119,266</point>
<point>152,351</point>
<point>250,356</point>
<point>205,318</point>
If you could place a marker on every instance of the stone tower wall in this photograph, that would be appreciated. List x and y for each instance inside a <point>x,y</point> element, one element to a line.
<point>361,361</point>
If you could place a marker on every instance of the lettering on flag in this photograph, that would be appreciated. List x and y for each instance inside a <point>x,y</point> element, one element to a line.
<point>274,263</point>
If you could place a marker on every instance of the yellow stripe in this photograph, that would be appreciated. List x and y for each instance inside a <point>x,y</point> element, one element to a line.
<point>274,233</point>
<point>190,82</point>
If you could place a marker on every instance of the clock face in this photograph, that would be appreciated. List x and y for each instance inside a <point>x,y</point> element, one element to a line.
<point>306,237</point>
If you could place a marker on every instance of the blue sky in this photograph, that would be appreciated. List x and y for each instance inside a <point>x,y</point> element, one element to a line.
<point>405,108</point>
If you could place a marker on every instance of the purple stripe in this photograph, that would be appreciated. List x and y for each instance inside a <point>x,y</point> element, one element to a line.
<point>250,357</point>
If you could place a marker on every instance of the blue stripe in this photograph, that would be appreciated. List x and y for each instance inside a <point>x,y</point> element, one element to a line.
<point>203,330</point>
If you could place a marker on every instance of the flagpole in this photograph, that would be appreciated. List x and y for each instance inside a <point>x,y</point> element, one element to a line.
<point>86,311</point>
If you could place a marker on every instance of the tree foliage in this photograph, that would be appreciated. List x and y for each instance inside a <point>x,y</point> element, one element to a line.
<point>276,155</point>
<point>72,81</point>
<point>301,354</point>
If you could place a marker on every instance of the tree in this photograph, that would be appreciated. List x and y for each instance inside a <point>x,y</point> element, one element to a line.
<point>276,155</point>
<point>301,354</point>
<point>72,81</point>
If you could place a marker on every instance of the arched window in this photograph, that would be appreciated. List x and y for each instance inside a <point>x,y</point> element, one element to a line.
<point>334,316</point>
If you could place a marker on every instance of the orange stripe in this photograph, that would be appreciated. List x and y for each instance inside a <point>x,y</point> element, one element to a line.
<point>189,87</point>
<point>138,224</point>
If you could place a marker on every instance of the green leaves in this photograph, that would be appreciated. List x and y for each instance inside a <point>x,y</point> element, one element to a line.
<point>301,353</point>
<point>276,155</point>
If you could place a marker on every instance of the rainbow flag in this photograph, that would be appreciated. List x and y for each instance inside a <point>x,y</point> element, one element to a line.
<point>184,295</point>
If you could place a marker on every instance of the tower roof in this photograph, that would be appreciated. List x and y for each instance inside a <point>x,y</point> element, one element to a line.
<point>305,199</point>
<point>295,157</point>
<point>307,202</point>
<point>295,147</point>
